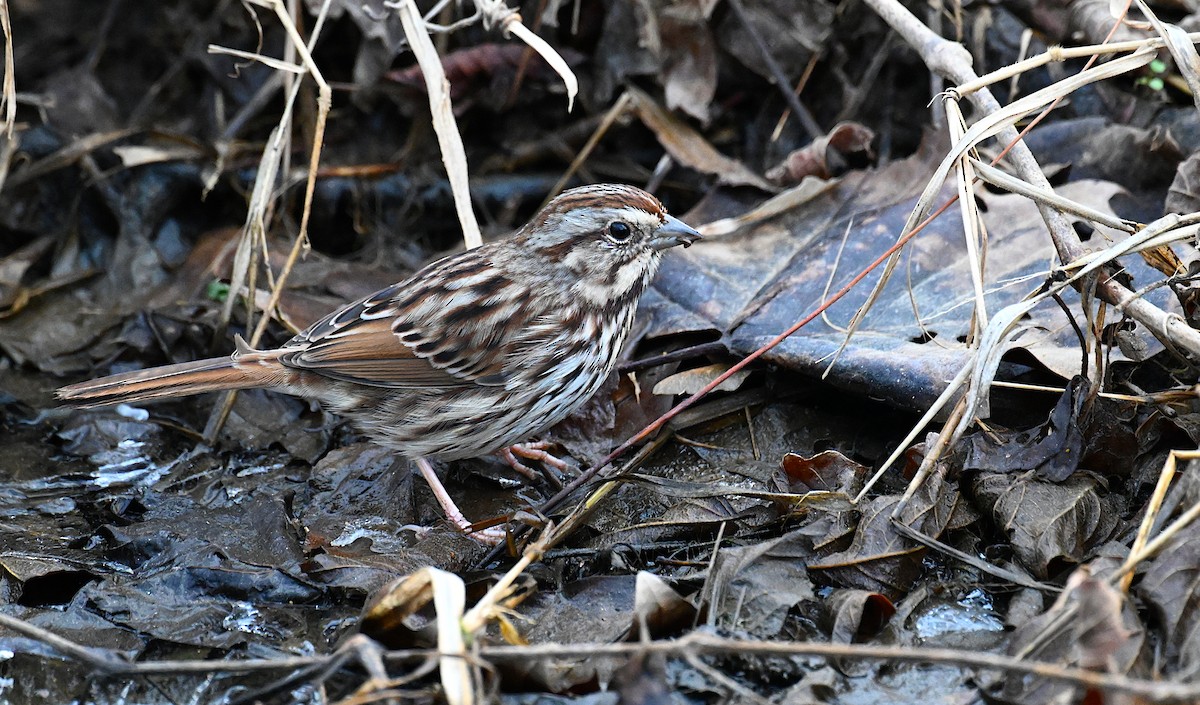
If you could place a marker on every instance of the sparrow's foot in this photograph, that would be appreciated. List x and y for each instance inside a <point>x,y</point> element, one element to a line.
<point>490,536</point>
<point>534,450</point>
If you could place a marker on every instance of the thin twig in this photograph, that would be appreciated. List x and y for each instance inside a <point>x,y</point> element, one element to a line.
<point>702,643</point>
<point>781,81</point>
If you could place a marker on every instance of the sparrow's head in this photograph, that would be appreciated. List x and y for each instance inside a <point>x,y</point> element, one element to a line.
<point>610,236</point>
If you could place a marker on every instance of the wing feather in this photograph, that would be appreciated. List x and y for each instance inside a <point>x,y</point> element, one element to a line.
<point>441,328</point>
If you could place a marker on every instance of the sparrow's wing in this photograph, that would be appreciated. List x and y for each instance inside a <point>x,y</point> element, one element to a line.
<point>451,325</point>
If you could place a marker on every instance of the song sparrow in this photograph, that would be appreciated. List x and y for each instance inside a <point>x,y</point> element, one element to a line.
<point>471,354</point>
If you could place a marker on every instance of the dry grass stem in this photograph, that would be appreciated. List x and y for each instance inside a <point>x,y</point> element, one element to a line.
<point>614,113</point>
<point>252,247</point>
<point>8,96</point>
<point>454,155</point>
<point>277,64</point>
<point>974,230</point>
<point>552,57</point>
<point>449,599</point>
<point>1012,184</point>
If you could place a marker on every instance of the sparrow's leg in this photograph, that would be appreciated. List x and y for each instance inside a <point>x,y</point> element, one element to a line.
<point>491,536</point>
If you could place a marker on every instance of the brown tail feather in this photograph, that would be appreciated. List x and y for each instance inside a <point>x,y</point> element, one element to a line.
<point>168,381</point>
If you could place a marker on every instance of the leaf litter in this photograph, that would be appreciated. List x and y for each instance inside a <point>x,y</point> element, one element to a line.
<point>133,532</point>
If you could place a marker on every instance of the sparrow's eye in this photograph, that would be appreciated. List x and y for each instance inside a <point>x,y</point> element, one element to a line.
<point>619,231</point>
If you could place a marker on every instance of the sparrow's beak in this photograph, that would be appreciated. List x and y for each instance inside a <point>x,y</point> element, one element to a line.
<point>673,232</point>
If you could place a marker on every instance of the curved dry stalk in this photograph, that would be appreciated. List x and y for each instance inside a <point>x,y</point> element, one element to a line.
<point>548,53</point>
<point>1012,184</point>
<point>454,155</point>
<point>8,96</point>
<point>1058,54</point>
<point>973,226</point>
<point>497,13</point>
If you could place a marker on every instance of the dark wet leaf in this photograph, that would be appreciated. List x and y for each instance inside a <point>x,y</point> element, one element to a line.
<point>78,625</point>
<point>677,510</point>
<point>754,587</point>
<point>260,419</point>
<point>1082,431</point>
<point>364,482</point>
<point>1053,450</point>
<point>596,610</point>
<point>1048,524</point>
<point>166,606</point>
<point>55,334</point>
<point>43,581</point>
<point>1171,586</point>
<point>208,576</point>
<point>625,47</point>
<point>880,559</point>
<point>756,279</point>
<point>255,529</point>
<point>92,432</point>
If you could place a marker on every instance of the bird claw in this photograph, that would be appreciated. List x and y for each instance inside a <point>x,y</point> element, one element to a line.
<point>490,536</point>
<point>534,450</point>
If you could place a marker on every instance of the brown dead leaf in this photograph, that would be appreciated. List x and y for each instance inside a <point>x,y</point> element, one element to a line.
<point>1047,523</point>
<point>826,157</point>
<point>880,558</point>
<point>828,471</point>
<point>858,614</point>
<point>754,587</point>
<point>693,380</point>
<point>689,58</point>
<point>689,148</point>
<point>659,607</point>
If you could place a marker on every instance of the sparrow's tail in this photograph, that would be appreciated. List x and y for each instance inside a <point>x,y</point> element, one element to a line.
<point>216,374</point>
